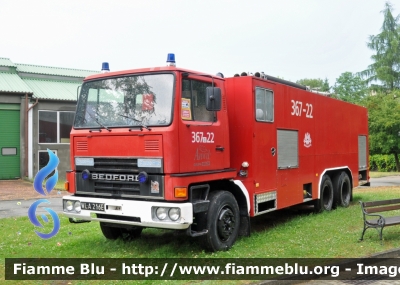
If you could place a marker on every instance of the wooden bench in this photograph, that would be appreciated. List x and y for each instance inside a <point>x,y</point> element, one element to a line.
<point>378,221</point>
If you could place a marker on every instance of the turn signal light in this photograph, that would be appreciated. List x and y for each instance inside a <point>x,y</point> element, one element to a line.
<point>66,185</point>
<point>180,192</point>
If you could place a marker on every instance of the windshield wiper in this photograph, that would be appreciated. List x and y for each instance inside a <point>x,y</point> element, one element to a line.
<point>136,120</point>
<point>97,121</point>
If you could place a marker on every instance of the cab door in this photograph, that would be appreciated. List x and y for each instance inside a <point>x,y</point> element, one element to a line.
<point>201,134</point>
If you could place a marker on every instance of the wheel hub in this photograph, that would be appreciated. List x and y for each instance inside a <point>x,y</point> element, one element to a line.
<point>226,223</point>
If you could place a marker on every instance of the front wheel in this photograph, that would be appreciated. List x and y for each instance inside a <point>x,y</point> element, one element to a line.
<point>325,201</point>
<point>110,232</point>
<point>115,232</point>
<point>222,221</point>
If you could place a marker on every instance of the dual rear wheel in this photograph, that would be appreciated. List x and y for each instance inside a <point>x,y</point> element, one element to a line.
<point>336,192</point>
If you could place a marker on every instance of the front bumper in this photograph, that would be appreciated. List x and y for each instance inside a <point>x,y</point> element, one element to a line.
<point>133,213</point>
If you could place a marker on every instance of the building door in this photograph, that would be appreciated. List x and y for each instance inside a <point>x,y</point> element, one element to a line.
<point>9,141</point>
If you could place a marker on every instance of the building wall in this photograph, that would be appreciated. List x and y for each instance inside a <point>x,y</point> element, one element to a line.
<point>39,148</point>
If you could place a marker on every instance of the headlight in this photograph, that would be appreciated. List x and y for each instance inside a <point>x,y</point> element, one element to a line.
<point>77,206</point>
<point>161,213</point>
<point>69,205</point>
<point>174,213</point>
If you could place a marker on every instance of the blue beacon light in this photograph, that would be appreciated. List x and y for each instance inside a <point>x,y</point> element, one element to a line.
<point>85,174</point>
<point>171,59</point>
<point>105,67</point>
<point>143,177</point>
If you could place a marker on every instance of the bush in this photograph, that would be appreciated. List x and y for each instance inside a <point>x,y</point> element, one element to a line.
<point>382,162</point>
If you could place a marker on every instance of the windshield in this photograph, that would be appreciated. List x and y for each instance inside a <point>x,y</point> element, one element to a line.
<point>139,100</point>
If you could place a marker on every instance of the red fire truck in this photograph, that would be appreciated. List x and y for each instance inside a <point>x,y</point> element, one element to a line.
<point>173,148</point>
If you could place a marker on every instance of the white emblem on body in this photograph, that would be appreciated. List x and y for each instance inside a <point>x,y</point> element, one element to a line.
<point>307,140</point>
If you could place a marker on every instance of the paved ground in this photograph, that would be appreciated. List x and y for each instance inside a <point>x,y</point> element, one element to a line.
<point>16,196</point>
<point>385,181</point>
<point>22,190</point>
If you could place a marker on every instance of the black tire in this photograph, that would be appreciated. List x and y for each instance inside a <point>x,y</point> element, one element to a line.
<point>131,233</point>
<point>124,233</point>
<point>222,221</point>
<point>342,189</point>
<point>110,232</point>
<point>325,202</point>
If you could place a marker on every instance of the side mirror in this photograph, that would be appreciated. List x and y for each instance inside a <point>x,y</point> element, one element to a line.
<point>213,99</point>
<point>77,92</point>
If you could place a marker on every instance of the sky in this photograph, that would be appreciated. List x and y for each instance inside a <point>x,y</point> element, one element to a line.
<point>290,39</point>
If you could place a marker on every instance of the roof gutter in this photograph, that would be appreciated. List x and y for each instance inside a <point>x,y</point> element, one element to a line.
<point>26,131</point>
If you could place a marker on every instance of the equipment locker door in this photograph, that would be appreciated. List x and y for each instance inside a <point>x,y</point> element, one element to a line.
<point>264,141</point>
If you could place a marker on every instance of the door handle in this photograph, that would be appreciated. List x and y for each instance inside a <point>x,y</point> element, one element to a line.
<point>220,148</point>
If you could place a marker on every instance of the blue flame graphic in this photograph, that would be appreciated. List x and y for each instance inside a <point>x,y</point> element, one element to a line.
<point>44,172</point>
<point>34,220</point>
<point>38,186</point>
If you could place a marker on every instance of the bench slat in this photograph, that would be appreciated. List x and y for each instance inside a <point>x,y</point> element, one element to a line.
<point>380,203</point>
<point>390,221</point>
<point>382,209</point>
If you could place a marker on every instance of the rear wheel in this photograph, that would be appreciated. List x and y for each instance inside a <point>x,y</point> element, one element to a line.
<point>342,188</point>
<point>222,221</point>
<point>325,201</point>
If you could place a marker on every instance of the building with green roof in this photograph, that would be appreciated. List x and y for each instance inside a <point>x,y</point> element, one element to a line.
<point>37,106</point>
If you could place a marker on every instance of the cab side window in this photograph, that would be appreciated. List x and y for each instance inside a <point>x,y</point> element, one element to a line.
<point>264,105</point>
<point>193,102</point>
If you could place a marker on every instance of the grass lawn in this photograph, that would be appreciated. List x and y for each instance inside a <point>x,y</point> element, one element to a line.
<point>294,233</point>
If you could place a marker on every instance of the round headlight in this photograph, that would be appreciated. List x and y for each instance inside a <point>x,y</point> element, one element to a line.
<point>69,205</point>
<point>174,213</point>
<point>161,213</point>
<point>77,206</point>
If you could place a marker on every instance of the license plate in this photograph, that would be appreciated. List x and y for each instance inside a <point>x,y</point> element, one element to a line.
<point>92,206</point>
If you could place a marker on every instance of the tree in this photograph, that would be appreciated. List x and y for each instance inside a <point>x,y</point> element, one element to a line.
<point>350,87</point>
<point>384,124</point>
<point>315,84</point>
<point>384,108</point>
<point>386,65</point>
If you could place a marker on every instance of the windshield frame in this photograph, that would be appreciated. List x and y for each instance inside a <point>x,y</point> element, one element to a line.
<point>82,110</point>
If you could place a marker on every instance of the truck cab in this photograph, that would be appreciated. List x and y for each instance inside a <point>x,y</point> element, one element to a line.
<point>145,146</point>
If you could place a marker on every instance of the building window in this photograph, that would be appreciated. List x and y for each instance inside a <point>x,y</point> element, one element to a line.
<point>264,105</point>
<point>193,102</point>
<point>55,126</point>
<point>9,151</point>
<point>44,159</point>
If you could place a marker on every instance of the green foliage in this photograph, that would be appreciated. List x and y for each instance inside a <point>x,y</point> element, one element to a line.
<point>384,123</point>
<point>386,60</point>
<point>350,87</point>
<point>315,84</point>
<point>379,162</point>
